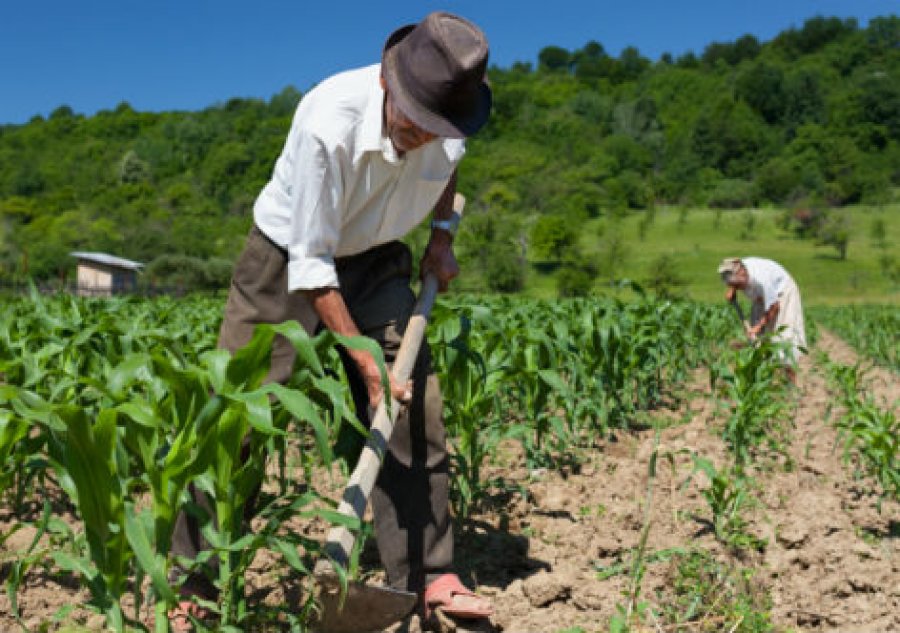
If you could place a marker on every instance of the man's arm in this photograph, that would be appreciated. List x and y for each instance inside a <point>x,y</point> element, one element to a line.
<point>439,257</point>
<point>332,310</point>
<point>769,317</point>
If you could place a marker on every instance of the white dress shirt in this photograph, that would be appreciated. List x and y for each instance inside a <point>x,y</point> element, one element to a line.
<point>339,188</point>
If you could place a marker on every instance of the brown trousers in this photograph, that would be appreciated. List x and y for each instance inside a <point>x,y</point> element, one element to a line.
<point>410,499</point>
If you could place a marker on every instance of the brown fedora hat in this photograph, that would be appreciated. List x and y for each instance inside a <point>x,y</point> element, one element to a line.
<point>435,71</point>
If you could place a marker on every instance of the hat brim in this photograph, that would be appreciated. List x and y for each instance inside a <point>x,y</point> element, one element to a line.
<point>428,120</point>
<point>730,265</point>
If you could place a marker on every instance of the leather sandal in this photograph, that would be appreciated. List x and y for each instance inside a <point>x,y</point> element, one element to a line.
<point>454,599</point>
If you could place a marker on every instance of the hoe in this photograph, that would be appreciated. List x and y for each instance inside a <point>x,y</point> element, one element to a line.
<point>362,607</point>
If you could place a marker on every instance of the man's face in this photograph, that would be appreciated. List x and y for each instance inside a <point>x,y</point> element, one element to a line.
<point>404,134</point>
<point>740,278</point>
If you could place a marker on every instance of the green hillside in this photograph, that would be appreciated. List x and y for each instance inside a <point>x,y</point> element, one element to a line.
<point>693,241</point>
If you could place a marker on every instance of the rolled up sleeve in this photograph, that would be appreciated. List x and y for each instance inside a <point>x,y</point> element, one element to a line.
<point>316,216</point>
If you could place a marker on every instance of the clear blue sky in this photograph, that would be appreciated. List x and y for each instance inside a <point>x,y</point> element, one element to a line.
<point>190,54</point>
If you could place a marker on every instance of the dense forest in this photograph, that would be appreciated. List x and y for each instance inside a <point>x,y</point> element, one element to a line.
<point>808,121</point>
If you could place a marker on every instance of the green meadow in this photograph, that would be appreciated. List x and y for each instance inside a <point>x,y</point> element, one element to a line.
<point>693,241</point>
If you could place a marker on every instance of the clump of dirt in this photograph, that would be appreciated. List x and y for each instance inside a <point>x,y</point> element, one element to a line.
<point>828,560</point>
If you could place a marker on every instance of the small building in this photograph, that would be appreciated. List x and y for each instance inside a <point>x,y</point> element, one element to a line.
<point>102,275</point>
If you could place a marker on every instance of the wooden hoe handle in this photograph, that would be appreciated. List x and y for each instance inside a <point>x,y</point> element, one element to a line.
<point>340,540</point>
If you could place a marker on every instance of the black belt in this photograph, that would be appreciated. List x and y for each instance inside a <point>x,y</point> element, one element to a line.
<point>341,263</point>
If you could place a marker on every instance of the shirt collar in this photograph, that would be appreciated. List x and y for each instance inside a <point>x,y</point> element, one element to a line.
<point>372,122</point>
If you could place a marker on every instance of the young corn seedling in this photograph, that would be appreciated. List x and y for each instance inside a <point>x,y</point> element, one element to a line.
<point>727,495</point>
<point>755,394</point>
<point>635,609</point>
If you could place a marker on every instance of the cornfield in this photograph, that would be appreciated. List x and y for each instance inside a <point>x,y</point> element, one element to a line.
<point>111,408</point>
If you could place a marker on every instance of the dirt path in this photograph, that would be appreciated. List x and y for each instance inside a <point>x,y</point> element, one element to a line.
<point>831,561</point>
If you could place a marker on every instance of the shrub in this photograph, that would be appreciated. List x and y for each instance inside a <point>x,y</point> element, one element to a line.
<point>731,193</point>
<point>504,270</point>
<point>575,280</point>
<point>184,273</point>
<point>663,276</point>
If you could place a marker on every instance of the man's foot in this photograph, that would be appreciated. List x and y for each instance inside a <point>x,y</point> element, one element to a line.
<point>448,602</point>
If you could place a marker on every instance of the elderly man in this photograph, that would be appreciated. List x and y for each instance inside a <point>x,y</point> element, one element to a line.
<point>774,299</point>
<point>369,154</point>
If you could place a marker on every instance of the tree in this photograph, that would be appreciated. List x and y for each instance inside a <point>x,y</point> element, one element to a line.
<point>730,137</point>
<point>132,169</point>
<point>762,87</point>
<point>552,236</point>
<point>804,97</point>
<point>745,47</point>
<point>554,59</point>
<point>591,62</point>
<point>883,33</point>
<point>663,278</point>
<point>816,34</point>
<point>224,166</point>
<point>504,269</point>
<point>878,100</point>
<point>285,102</point>
<point>614,251</point>
<point>631,64</point>
<point>835,231</point>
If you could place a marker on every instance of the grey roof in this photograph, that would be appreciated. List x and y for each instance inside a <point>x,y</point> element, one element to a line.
<point>109,260</point>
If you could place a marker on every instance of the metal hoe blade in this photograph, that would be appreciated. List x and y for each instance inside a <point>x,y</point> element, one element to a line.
<point>364,609</point>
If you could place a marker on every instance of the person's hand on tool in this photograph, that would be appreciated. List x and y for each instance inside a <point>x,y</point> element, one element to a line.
<point>730,293</point>
<point>754,331</point>
<point>440,259</point>
<point>331,308</point>
<point>371,374</point>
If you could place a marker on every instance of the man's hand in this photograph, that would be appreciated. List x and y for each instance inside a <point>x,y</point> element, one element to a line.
<point>329,305</point>
<point>439,259</point>
<point>730,293</point>
<point>372,377</point>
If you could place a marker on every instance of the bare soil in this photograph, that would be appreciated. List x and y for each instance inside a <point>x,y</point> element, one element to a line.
<point>830,561</point>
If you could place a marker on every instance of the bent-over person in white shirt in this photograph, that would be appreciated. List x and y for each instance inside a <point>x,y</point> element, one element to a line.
<point>775,305</point>
<point>370,154</point>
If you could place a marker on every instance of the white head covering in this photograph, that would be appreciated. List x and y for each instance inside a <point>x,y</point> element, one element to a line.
<point>728,267</point>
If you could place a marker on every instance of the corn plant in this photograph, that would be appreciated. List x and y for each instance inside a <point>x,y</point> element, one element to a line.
<point>471,395</point>
<point>727,494</point>
<point>870,329</point>
<point>22,464</point>
<point>126,423</point>
<point>133,393</point>
<point>537,384</point>
<point>870,434</point>
<point>756,397</point>
<point>636,609</point>
<point>59,537</point>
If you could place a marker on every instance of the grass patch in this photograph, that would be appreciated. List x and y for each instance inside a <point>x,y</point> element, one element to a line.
<point>713,597</point>
<point>698,239</point>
